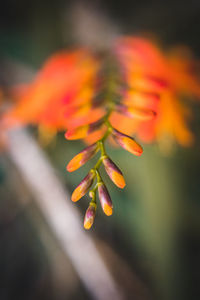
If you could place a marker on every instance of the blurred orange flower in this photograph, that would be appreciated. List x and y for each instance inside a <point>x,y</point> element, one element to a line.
<point>150,74</point>
<point>70,91</point>
<point>49,99</point>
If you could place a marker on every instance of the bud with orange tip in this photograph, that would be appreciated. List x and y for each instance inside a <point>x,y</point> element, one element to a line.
<point>90,215</point>
<point>82,131</point>
<point>127,142</point>
<point>77,133</point>
<point>114,172</point>
<point>81,158</point>
<point>105,200</point>
<point>83,186</point>
<point>136,112</point>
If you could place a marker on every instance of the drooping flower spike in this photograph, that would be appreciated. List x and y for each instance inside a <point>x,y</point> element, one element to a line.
<point>109,94</point>
<point>131,89</point>
<point>111,168</point>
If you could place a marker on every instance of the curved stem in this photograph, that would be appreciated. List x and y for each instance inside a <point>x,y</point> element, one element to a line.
<point>111,105</point>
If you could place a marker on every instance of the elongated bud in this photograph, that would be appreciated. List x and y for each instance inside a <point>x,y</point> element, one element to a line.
<point>82,131</point>
<point>114,172</point>
<point>83,186</point>
<point>127,142</point>
<point>81,158</point>
<point>105,200</point>
<point>90,215</point>
<point>137,112</point>
<point>77,133</point>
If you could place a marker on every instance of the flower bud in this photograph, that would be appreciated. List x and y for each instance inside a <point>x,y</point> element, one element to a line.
<point>105,200</point>
<point>137,112</point>
<point>127,142</point>
<point>77,133</point>
<point>114,172</point>
<point>83,186</point>
<point>95,126</point>
<point>90,215</point>
<point>81,158</point>
<point>82,131</point>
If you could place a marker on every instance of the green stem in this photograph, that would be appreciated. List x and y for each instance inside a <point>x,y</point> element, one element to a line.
<point>92,194</point>
<point>102,148</point>
<point>111,85</point>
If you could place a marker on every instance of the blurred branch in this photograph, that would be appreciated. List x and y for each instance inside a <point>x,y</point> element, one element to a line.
<point>62,217</point>
<point>94,28</point>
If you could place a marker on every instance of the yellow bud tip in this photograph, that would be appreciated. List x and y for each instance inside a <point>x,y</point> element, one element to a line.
<point>118,180</point>
<point>138,151</point>
<point>107,209</point>
<point>77,133</point>
<point>142,114</point>
<point>68,135</point>
<point>132,146</point>
<point>88,224</point>
<point>75,163</point>
<point>76,195</point>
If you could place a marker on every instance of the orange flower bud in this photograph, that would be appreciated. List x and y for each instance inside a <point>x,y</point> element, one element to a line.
<point>90,215</point>
<point>141,114</point>
<point>127,142</point>
<point>83,186</point>
<point>81,158</point>
<point>105,200</point>
<point>137,112</point>
<point>95,125</point>
<point>82,131</point>
<point>114,172</point>
<point>77,133</point>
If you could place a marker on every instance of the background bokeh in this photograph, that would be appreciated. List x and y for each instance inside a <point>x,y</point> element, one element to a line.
<point>151,244</point>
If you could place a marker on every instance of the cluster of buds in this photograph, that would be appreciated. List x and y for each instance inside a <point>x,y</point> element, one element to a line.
<point>132,88</point>
<point>93,182</point>
<point>76,88</point>
<point>110,94</point>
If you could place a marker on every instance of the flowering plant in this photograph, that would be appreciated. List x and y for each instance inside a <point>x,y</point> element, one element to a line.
<point>133,88</point>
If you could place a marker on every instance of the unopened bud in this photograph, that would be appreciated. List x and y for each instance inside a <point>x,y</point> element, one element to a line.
<point>82,131</point>
<point>114,172</point>
<point>137,112</point>
<point>90,215</point>
<point>105,200</point>
<point>77,133</point>
<point>81,158</point>
<point>83,186</point>
<point>127,142</point>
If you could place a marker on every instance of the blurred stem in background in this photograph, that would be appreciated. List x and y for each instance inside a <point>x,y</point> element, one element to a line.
<point>61,216</point>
